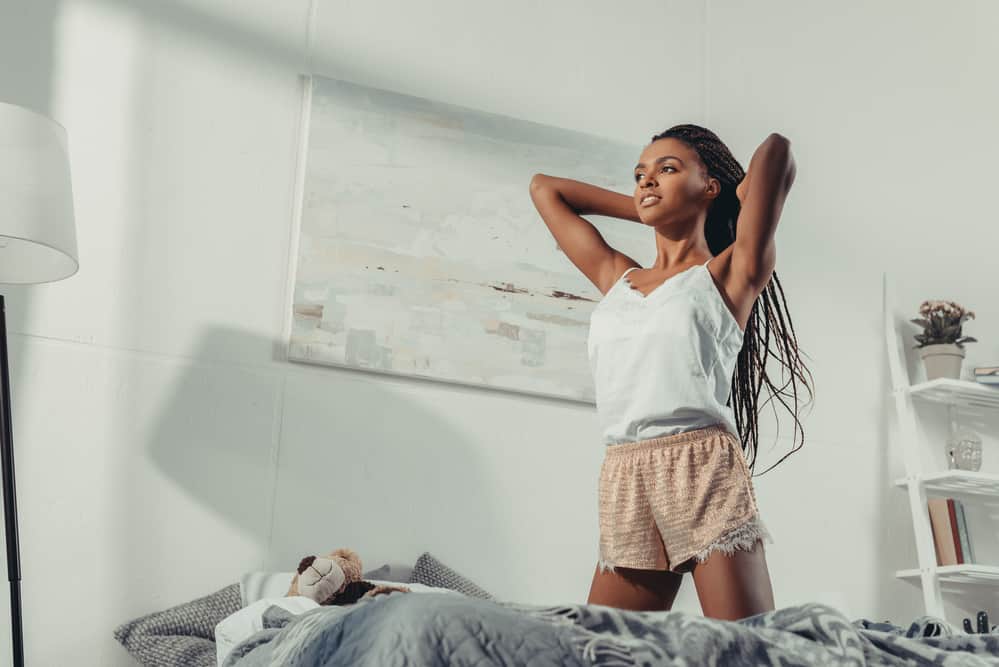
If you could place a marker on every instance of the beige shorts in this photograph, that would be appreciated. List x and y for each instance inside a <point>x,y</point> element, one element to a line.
<point>669,501</point>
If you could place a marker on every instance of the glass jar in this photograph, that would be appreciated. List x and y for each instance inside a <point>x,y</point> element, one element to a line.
<point>963,447</point>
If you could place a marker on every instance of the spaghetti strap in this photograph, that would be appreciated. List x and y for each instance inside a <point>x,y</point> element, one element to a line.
<point>628,270</point>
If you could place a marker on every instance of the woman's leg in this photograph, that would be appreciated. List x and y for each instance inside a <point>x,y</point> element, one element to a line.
<point>639,590</point>
<point>732,587</point>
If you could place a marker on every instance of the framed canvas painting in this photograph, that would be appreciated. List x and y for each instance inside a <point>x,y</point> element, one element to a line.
<point>419,251</point>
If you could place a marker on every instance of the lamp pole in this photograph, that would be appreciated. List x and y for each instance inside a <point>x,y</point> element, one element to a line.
<point>9,497</point>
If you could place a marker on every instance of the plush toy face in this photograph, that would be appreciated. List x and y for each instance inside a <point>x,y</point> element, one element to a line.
<point>320,578</point>
<point>323,578</point>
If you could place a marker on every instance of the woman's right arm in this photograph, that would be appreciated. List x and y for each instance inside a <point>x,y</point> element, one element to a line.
<point>586,199</point>
<point>561,202</point>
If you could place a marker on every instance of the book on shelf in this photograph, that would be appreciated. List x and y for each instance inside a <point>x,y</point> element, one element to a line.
<point>943,544</point>
<point>951,540</point>
<point>962,529</point>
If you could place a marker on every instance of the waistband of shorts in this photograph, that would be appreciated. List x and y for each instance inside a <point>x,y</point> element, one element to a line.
<point>671,439</point>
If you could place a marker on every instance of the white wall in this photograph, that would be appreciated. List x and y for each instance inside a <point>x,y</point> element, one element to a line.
<point>162,446</point>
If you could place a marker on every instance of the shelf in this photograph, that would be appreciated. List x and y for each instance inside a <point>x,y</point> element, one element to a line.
<point>968,402</point>
<point>965,485</point>
<point>967,574</point>
<point>966,394</point>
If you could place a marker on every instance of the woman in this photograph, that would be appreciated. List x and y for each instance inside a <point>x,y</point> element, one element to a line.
<point>671,347</point>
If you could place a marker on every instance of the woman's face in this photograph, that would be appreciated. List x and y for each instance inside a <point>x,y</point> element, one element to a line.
<point>672,175</point>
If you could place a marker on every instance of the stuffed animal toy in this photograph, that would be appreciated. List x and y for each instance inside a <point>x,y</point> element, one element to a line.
<point>335,579</point>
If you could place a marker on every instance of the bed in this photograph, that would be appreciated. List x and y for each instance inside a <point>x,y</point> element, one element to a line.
<point>474,628</point>
<point>405,629</point>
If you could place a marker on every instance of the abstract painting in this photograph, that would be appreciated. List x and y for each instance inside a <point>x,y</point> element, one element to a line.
<point>420,252</point>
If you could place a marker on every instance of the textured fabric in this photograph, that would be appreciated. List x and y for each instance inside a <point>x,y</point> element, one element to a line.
<point>667,500</point>
<point>403,630</point>
<point>430,571</point>
<point>398,572</point>
<point>663,363</point>
<point>236,627</point>
<point>460,631</point>
<point>183,635</point>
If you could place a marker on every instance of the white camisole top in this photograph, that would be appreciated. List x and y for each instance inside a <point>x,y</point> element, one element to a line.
<point>663,363</point>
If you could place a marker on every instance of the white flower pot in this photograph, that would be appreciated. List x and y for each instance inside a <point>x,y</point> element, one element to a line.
<point>942,360</point>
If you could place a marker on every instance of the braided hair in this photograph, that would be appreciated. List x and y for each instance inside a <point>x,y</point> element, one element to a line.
<point>767,313</point>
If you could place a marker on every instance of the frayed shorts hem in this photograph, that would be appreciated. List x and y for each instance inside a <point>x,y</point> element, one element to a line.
<point>607,566</point>
<point>743,537</point>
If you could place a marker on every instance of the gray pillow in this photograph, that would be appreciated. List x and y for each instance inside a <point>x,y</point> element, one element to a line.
<point>183,635</point>
<point>399,572</point>
<point>431,572</point>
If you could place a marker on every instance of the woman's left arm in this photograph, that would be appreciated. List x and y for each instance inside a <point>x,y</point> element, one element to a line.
<point>762,192</point>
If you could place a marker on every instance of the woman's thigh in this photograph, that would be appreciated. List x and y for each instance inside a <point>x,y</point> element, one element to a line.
<point>734,586</point>
<point>639,590</point>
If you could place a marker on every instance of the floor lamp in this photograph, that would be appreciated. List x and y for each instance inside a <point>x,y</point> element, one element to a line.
<point>37,245</point>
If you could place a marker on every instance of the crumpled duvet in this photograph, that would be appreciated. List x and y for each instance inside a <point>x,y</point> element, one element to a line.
<point>440,629</point>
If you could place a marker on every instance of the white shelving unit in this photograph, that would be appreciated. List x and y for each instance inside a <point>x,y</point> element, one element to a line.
<point>971,399</point>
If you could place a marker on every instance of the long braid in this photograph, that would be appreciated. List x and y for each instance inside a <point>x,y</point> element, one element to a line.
<point>750,373</point>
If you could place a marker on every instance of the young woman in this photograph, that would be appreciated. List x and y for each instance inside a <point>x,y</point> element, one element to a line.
<point>671,347</point>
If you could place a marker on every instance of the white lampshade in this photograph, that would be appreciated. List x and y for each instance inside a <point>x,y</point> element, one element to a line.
<point>37,232</point>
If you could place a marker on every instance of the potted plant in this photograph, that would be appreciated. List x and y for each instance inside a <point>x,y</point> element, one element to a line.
<point>941,345</point>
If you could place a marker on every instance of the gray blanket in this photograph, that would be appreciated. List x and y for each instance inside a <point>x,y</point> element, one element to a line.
<point>431,629</point>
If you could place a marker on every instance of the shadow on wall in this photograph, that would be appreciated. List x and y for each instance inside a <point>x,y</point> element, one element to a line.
<point>238,36</point>
<point>299,459</point>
